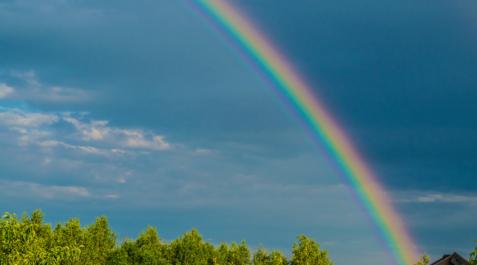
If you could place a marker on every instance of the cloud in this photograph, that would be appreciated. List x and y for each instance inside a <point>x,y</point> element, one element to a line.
<point>86,135</point>
<point>82,148</point>
<point>436,197</point>
<point>111,196</point>
<point>203,151</point>
<point>121,180</point>
<point>94,130</point>
<point>20,188</point>
<point>137,139</point>
<point>14,189</point>
<point>127,138</point>
<point>30,88</point>
<point>27,127</point>
<point>5,90</point>
<point>16,118</point>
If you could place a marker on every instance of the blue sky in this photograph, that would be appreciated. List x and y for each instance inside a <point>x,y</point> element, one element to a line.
<point>143,112</point>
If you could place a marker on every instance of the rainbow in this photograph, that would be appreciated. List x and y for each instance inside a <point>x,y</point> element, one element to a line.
<point>321,123</point>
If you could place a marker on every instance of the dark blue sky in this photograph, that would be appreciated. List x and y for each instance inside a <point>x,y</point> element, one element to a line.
<point>143,111</point>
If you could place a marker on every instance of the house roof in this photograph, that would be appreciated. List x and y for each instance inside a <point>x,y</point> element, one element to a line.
<point>454,259</point>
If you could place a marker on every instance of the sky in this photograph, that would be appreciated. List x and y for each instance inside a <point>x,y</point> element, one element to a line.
<point>144,112</point>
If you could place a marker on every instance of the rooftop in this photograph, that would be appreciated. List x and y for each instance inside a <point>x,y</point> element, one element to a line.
<point>454,259</point>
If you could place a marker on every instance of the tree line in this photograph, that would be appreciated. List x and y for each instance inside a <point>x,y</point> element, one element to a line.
<point>30,241</point>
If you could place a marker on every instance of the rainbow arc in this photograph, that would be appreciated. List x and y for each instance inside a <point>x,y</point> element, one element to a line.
<point>365,184</point>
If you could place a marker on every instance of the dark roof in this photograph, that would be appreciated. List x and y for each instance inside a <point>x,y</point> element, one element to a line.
<point>454,259</point>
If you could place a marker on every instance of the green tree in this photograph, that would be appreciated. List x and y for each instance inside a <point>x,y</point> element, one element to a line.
<point>190,249</point>
<point>221,255</point>
<point>119,256</point>
<point>29,241</point>
<point>473,257</point>
<point>86,246</point>
<point>424,260</point>
<point>261,257</point>
<point>98,242</point>
<point>68,242</point>
<point>239,254</point>
<point>147,249</point>
<point>277,258</point>
<point>307,252</point>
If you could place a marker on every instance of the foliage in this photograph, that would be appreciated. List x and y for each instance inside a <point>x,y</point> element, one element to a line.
<point>262,257</point>
<point>30,241</point>
<point>308,252</point>
<point>424,260</point>
<point>238,254</point>
<point>147,249</point>
<point>190,249</point>
<point>473,257</point>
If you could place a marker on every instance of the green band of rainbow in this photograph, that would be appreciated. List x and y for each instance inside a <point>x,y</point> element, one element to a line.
<point>300,95</point>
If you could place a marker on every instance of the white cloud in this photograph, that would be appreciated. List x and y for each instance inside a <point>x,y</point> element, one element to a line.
<point>5,90</point>
<point>203,151</point>
<point>94,134</point>
<point>35,190</point>
<point>160,143</point>
<point>22,119</point>
<point>82,148</point>
<point>126,138</point>
<point>436,197</point>
<point>34,90</point>
<point>27,127</point>
<point>138,139</point>
<point>447,198</point>
<point>94,130</point>
<point>123,178</point>
<point>88,136</point>
<point>20,188</point>
<point>111,196</point>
